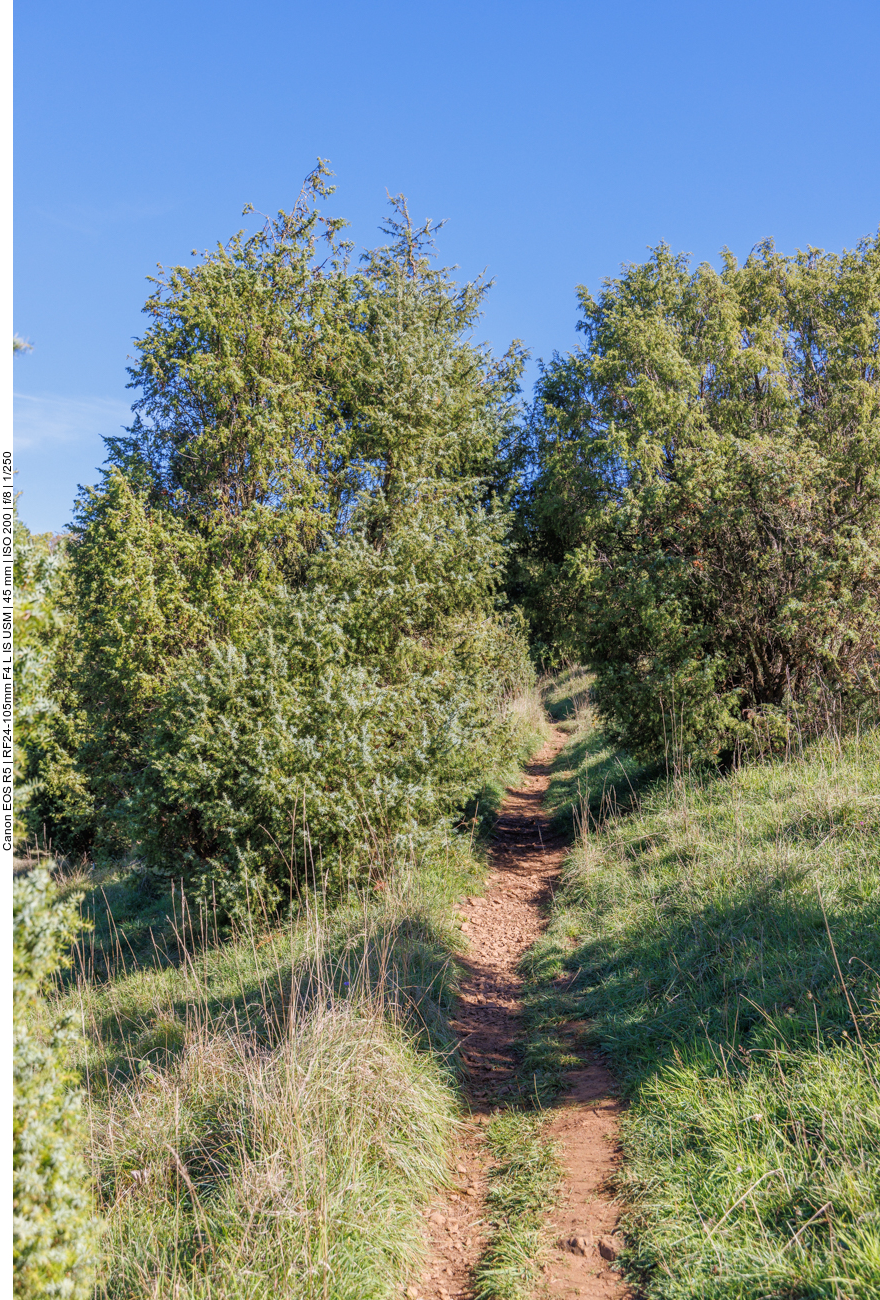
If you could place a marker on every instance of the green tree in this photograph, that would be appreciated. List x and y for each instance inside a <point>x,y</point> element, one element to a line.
<point>704,527</point>
<point>310,503</point>
<point>38,564</point>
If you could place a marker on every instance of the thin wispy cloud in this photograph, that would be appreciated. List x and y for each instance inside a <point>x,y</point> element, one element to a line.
<point>43,422</point>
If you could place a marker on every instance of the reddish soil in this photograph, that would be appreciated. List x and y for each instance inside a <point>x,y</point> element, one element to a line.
<point>526,857</point>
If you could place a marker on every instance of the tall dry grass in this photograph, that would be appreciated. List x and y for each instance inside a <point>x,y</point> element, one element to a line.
<point>269,1113</point>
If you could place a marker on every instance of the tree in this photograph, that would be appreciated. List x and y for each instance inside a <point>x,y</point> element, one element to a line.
<point>705,524</point>
<point>317,467</point>
<point>38,562</point>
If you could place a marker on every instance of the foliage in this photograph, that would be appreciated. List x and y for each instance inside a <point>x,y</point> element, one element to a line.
<point>298,756</point>
<point>704,527</point>
<point>721,944</point>
<point>279,390</point>
<point>38,560</point>
<point>53,1226</point>
<point>283,600</point>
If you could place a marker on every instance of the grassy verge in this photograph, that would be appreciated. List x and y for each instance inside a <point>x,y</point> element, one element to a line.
<point>522,1184</point>
<point>720,944</point>
<point>270,1112</point>
<point>591,781</point>
<point>527,717</point>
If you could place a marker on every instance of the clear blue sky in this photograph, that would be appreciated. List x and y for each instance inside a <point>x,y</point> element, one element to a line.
<point>559,138</point>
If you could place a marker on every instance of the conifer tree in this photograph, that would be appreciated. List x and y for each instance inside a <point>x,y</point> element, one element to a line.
<point>317,467</point>
<point>705,524</point>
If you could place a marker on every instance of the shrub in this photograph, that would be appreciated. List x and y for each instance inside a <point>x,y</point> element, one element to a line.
<point>53,1229</point>
<point>705,525</point>
<point>342,725</point>
<point>283,601</point>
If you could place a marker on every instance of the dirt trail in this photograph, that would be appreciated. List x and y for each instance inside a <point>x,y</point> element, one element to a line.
<point>525,858</point>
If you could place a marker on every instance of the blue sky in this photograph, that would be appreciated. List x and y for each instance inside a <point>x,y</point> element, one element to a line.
<point>560,139</point>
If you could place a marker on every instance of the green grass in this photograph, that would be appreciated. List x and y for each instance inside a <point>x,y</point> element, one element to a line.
<point>528,720</point>
<point>591,781</point>
<point>270,1112</point>
<point>522,1184</point>
<point>721,945</point>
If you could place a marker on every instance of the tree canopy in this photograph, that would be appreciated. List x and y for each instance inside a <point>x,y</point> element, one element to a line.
<point>704,525</point>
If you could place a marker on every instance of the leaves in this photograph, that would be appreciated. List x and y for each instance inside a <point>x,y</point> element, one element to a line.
<point>705,525</point>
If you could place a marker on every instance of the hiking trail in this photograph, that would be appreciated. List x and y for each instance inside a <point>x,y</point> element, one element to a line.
<point>525,857</point>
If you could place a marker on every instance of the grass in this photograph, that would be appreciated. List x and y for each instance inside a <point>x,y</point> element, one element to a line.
<point>527,718</point>
<point>720,943</point>
<point>271,1112</point>
<point>522,1184</point>
<point>591,780</point>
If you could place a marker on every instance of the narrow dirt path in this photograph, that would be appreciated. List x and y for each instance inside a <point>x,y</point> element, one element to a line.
<point>525,858</point>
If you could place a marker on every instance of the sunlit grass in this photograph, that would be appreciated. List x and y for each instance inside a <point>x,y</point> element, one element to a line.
<point>522,1185</point>
<point>721,945</point>
<point>271,1111</point>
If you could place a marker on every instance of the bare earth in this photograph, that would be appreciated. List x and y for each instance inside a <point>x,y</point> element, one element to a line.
<point>526,858</point>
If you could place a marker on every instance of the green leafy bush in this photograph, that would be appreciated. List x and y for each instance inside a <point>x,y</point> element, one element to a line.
<point>283,603</point>
<point>705,525</point>
<point>53,1228</point>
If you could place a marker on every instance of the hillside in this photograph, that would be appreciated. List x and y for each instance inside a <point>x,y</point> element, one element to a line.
<point>719,945</point>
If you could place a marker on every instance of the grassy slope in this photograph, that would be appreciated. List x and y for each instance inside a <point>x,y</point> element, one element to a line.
<point>591,781</point>
<point>270,1113</point>
<point>721,945</point>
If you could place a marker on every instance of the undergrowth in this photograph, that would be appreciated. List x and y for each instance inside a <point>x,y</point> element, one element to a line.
<point>720,945</point>
<point>270,1111</point>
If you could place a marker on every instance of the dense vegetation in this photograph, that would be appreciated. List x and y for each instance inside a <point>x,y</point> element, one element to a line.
<point>282,615</point>
<point>53,1218</point>
<point>704,525</point>
<point>277,673</point>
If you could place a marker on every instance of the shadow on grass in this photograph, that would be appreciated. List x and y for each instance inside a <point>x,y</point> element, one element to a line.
<point>755,974</point>
<point>253,986</point>
<point>566,695</point>
<point>591,782</point>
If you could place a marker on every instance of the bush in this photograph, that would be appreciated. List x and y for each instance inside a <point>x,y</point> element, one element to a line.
<point>705,525</point>
<point>342,726</point>
<point>283,601</point>
<point>53,1228</point>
